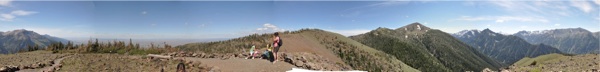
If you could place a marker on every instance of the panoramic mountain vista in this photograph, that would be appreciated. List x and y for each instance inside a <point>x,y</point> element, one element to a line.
<point>16,40</point>
<point>427,49</point>
<point>299,36</point>
<point>570,40</point>
<point>506,49</point>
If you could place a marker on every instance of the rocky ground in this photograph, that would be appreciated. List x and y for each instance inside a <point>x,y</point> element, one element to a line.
<point>203,62</point>
<point>577,63</point>
<point>28,60</point>
<point>297,59</point>
<point>127,63</point>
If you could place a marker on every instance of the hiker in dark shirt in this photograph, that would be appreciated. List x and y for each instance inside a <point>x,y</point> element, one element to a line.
<point>181,67</point>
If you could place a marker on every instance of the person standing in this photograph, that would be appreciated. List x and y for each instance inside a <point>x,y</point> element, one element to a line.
<point>276,45</point>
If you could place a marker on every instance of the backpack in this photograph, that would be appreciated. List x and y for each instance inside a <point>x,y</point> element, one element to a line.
<point>280,42</point>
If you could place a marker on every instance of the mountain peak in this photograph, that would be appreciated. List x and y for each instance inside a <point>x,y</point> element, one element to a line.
<point>414,27</point>
<point>19,32</point>
<point>487,30</point>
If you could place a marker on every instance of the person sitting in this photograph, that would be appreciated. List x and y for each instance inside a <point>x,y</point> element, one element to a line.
<point>253,53</point>
<point>267,53</point>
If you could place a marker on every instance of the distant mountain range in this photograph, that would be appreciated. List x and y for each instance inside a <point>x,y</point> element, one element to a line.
<point>506,49</point>
<point>571,40</point>
<point>426,49</point>
<point>13,41</point>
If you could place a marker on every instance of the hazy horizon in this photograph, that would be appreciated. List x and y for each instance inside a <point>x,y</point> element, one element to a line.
<point>232,19</point>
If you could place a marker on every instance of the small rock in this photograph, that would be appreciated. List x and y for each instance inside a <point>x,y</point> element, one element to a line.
<point>298,63</point>
<point>4,69</point>
<point>215,69</point>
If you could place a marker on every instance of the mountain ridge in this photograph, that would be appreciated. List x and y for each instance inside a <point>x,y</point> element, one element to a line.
<point>16,40</point>
<point>506,49</point>
<point>419,45</point>
<point>568,40</point>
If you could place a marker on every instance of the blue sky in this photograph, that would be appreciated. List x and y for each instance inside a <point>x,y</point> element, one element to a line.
<point>231,19</point>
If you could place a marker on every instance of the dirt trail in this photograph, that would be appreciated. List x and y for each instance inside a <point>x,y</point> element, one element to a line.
<point>56,63</point>
<point>243,65</point>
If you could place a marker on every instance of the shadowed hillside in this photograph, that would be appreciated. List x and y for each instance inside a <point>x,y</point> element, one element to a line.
<point>427,49</point>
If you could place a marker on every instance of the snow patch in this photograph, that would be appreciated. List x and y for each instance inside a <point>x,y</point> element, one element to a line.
<point>419,27</point>
<point>491,34</point>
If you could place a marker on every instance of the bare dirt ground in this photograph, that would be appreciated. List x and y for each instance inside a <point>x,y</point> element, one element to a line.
<point>243,65</point>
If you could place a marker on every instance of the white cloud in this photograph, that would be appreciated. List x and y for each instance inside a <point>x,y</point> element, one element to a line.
<point>582,5</point>
<point>5,2</point>
<point>13,15</point>
<point>267,27</point>
<point>548,9</point>
<point>144,12</point>
<point>556,24</point>
<point>350,32</point>
<point>7,17</point>
<point>260,29</point>
<point>501,19</point>
<point>597,2</point>
<point>22,12</point>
